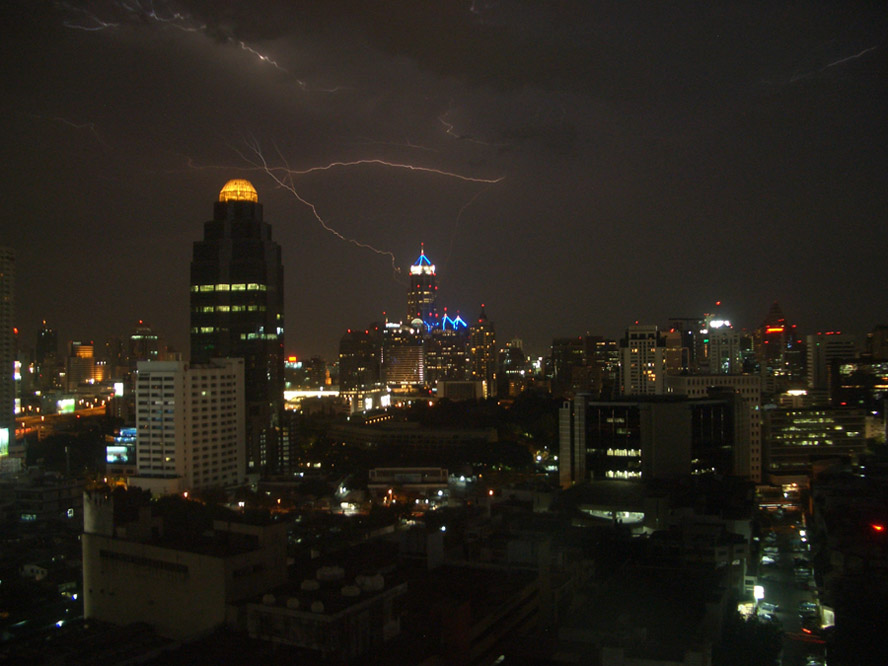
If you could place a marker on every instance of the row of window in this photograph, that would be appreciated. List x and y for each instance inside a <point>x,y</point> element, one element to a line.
<point>230,308</point>
<point>249,286</point>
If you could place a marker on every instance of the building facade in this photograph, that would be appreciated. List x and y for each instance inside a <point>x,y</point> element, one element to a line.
<point>643,361</point>
<point>825,349</point>
<point>184,588</point>
<point>648,437</point>
<point>237,311</point>
<point>7,350</point>
<point>189,425</point>
<point>422,294</point>
<point>749,389</point>
<point>482,353</point>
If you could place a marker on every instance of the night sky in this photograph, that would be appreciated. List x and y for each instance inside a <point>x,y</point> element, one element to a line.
<point>597,162</point>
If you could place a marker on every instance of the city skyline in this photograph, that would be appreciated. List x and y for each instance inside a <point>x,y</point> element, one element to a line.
<point>575,169</point>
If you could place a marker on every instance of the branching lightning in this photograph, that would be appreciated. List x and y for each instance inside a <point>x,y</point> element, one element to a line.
<point>285,177</point>
<point>141,11</point>
<point>95,23</point>
<point>286,182</point>
<point>91,127</point>
<point>391,165</point>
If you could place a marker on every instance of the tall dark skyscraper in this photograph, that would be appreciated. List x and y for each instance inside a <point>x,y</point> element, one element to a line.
<point>422,293</point>
<point>237,311</point>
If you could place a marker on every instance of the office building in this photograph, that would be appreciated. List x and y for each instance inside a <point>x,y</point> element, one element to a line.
<point>447,352</point>
<point>359,353</point>
<point>7,350</point>
<point>482,353</point>
<point>643,361</point>
<point>691,345</point>
<point>189,425</point>
<point>825,350</point>
<point>422,294</point>
<point>649,437</point>
<point>749,390</point>
<point>81,365</point>
<point>237,311</point>
<point>403,357</point>
<point>796,438</point>
<point>725,349</point>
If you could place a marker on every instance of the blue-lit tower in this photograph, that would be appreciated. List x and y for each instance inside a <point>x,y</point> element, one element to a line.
<point>422,294</point>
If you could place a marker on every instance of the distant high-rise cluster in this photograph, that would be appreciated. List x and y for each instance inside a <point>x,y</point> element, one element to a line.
<point>430,350</point>
<point>775,401</point>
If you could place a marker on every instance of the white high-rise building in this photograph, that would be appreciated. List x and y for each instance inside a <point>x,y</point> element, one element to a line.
<point>190,425</point>
<point>7,350</point>
<point>643,361</point>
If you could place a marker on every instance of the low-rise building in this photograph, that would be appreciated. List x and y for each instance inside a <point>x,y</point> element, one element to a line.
<point>182,585</point>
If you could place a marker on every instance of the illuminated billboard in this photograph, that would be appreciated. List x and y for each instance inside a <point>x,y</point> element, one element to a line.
<point>118,455</point>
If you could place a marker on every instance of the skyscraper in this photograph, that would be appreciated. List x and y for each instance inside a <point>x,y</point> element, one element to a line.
<point>482,351</point>
<point>643,367</point>
<point>825,349</point>
<point>7,349</point>
<point>237,311</point>
<point>422,293</point>
<point>47,357</point>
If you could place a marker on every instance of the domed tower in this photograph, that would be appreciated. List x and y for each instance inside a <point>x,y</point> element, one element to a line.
<point>422,293</point>
<point>237,311</point>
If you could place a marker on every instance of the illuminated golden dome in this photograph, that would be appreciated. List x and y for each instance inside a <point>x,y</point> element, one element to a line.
<point>239,189</point>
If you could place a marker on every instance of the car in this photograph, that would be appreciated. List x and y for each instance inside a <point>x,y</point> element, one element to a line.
<point>811,625</point>
<point>768,607</point>
<point>807,605</point>
<point>767,559</point>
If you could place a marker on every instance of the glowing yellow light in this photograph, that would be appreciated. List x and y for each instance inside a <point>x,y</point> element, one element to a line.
<point>239,189</point>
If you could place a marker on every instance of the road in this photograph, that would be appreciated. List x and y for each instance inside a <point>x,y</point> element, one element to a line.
<point>784,589</point>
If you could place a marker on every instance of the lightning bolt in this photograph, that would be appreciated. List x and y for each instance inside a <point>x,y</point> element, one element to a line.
<point>79,126</point>
<point>97,23</point>
<point>450,130</point>
<point>853,57</point>
<point>265,58</point>
<point>284,176</point>
<point>459,217</point>
<point>286,182</point>
<point>391,165</point>
<point>141,11</point>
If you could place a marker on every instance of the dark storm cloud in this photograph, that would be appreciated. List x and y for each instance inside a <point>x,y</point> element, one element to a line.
<point>655,157</point>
